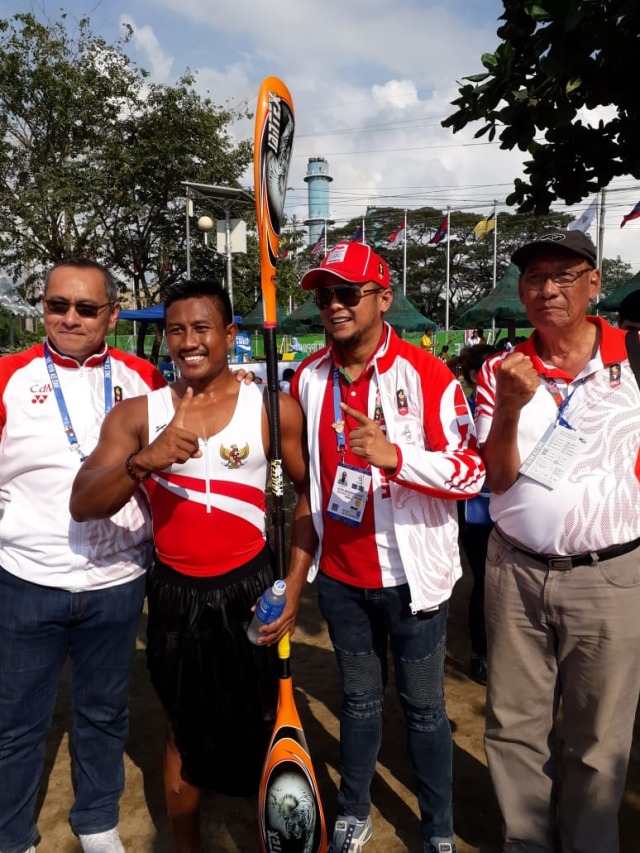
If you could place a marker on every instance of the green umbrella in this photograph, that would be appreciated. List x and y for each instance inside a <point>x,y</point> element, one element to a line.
<point>304,319</point>
<point>613,300</point>
<point>502,304</point>
<point>255,318</point>
<point>402,316</point>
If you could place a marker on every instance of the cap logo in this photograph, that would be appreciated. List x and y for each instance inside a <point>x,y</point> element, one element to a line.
<point>336,255</point>
<point>380,271</point>
<point>553,238</point>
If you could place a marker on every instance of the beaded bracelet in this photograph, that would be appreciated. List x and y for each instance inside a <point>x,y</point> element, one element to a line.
<point>131,472</point>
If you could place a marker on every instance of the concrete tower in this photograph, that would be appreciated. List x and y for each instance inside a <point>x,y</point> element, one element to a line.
<point>318,180</point>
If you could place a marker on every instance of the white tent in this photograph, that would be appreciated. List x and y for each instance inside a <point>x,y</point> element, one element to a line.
<point>12,302</point>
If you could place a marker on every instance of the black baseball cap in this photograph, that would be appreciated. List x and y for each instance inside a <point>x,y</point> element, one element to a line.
<point>571,241</point>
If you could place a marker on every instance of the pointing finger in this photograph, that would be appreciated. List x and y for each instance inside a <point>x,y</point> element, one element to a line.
<point>359,417</point>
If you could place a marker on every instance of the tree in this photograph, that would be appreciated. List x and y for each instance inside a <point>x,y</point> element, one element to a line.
<point>93,155</point>
<point>558,59</point>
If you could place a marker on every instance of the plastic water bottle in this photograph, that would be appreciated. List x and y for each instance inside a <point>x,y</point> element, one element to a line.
<point>268,609</point>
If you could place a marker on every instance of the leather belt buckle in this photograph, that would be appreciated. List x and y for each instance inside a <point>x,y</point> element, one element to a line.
<point>560,564</point>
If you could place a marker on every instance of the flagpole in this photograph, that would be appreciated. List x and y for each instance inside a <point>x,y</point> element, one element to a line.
<point>495,243</point>
<point>364,242</point>
<point>404,256</point>
<point>446,309</point>
<point>600,246</point>
<point>324,230</point>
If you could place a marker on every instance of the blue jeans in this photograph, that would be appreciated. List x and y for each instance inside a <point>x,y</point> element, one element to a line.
<point>39,627</point>
<point>362,623</point>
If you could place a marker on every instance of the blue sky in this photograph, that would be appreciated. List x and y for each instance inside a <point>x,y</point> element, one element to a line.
<point>371,81</point>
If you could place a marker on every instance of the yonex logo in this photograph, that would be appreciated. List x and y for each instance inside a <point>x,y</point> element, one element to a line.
<point>40,393</point>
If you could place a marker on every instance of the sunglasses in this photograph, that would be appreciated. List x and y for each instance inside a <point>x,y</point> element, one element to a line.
<point>83,309</point>
<point>348,295</point>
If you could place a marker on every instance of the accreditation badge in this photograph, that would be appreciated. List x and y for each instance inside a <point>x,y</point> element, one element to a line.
<point>553,455</point>
<point>349,494</point>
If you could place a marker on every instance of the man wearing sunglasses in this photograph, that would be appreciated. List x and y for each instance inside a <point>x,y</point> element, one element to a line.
<point>66,589</point>
<point>392,448</point>
<point>557,422</point>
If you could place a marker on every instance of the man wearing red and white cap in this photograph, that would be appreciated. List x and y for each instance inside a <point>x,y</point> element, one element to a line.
<point>392,448</point>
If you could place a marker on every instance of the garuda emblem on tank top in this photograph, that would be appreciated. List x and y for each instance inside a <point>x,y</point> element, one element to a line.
<point>234,456</point>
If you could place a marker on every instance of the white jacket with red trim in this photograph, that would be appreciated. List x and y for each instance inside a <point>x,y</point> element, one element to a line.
<point>39,541</point>
<point>438,463</point>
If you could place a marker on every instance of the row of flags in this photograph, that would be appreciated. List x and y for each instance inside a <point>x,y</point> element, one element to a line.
<point>479,231</point>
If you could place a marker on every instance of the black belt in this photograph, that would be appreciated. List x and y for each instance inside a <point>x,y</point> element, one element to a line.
<point>559,563</point>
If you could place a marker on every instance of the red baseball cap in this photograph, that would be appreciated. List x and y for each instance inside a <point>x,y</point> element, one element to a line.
<point>354,263</point>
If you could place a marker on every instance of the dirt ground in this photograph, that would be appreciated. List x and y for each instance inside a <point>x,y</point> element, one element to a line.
<point>229,824</point>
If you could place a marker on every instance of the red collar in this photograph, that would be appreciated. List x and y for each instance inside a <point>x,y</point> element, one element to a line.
<point>68,361</point>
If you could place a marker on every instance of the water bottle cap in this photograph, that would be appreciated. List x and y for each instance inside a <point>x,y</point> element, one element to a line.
<point>279,587</point>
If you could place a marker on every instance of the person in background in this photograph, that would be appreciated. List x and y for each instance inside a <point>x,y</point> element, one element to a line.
<point>67,590</point>
<point>557,422</point>
<point>199,449</point>
<point>475,527</point>
<point>391,450</point>
<point>295,345</point>
<point>425,341</point>
<point>443,355</point>
<point>285,383</point>
<point>629,311</point>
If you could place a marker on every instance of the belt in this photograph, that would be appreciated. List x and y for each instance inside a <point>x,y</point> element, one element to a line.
<point>559,563</point>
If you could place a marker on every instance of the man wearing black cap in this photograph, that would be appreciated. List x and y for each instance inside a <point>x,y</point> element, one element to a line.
<point>391,447</point>
<point>557,422</point>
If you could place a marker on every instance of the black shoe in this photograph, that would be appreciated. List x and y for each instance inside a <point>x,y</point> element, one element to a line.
<point>478,669</point>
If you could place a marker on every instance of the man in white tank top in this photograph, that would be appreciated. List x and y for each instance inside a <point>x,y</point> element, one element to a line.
<point>200,451</point>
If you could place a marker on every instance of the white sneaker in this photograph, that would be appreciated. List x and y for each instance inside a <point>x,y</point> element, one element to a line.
<point>102,842</point>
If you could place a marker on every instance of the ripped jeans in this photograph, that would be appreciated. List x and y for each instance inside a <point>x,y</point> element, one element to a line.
<point>362,623</point>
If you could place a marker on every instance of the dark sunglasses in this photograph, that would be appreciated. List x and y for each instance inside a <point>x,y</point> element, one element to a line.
<point>348,295</point>
<point>83,309</point>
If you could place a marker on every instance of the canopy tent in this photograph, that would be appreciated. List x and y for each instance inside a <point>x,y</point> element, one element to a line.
<point>402,317</point>
<point>502,305</point>
<point>613,300</point>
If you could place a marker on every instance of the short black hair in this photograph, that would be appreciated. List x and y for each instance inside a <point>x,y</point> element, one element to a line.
<point>193,289</point>
<point>110,284</point>
<point>472,358</point>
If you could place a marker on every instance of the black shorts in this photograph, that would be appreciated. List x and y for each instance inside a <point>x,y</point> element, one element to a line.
<point>218,690</point>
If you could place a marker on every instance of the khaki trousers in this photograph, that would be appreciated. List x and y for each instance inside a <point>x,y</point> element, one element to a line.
<point>574,636</point>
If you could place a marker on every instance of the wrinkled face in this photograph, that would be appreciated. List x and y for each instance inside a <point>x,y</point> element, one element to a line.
<point>550,305</point>
<point>198,338</point>
<point>71,294</point>
<point>350,324</point>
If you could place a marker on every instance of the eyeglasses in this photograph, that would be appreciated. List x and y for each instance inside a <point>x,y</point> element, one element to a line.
<point>347,294</point>
<point>83,309</point>
<point>562,278</point>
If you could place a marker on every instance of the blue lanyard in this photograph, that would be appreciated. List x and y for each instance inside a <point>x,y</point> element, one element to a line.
<point>553,389</point>
<point>62,406</point>
<point>338,414</point>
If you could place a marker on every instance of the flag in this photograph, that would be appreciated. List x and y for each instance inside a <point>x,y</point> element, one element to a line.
<point>583,223</point>
<point>635,213</point>
<point>318,249</point>
<point>440,234</point>
<point>357,237</point>
<point>396,238</point>
<point>484,227</point>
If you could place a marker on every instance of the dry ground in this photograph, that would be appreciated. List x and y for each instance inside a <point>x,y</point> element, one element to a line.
<point>230,823</point>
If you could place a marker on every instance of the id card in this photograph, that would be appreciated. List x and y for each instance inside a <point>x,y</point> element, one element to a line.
<point>349,494</point>
<point>553,456</point>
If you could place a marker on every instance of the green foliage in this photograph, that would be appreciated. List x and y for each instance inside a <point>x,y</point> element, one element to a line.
<point>92,155</point>
<point>558,58</point>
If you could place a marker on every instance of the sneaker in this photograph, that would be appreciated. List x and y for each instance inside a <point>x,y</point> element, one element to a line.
<point>102,842</point>
<point>440,845</point>
<point>478,669</point>
<point>350,834</point>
